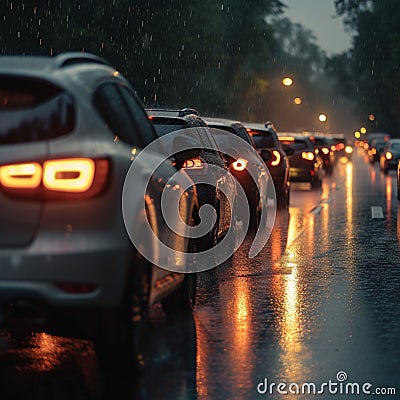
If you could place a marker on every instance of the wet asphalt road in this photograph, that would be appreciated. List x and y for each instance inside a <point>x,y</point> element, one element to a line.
<point>322,297</point>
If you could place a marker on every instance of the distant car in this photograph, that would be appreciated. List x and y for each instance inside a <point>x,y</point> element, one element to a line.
<point>70,128</point>
<point>376,147</point>
<point>390,155</point>
<point>265,137</point>
<point>305,164</point>
<point>323,147</point>
<point>237,165</point>
<point>167,121</point>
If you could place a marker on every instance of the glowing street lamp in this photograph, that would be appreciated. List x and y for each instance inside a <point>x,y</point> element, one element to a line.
<point>363,130</point>
<point>357,135</point>
<point>297,100</point>
<point>322,117</point>
<point>287,81</point>
<point>371,117</point>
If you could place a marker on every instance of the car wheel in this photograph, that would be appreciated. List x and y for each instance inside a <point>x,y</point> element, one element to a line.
<point>182,300</point>
<point>119,337</point>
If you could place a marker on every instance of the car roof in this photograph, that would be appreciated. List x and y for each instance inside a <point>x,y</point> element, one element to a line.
<point>56,69</point>
<point>223,122</point>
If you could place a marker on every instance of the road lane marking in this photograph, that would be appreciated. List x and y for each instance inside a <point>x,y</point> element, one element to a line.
<point>316,210</point>
<point>376,212</point>
<point>326,201</point>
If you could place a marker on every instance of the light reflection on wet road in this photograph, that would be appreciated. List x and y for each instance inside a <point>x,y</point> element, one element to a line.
<point>322,297</point>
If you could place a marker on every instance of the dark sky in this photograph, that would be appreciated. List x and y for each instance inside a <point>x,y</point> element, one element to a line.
<point>319,17</point>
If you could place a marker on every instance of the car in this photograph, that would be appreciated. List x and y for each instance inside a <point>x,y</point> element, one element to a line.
<point>390,155</point>
<point>305,164</point>
<point>376,144</point>
<point>265,137</point>
<point>222,129</point>
<point>323,146</point>
<point>222,187</point>
<point>71,129</point>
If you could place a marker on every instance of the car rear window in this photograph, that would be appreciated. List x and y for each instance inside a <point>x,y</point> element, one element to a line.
<point>395,146</point>
<point>296,144</point>
<point>33,110</point>
<point>264,141</point>
<point>163,129</point>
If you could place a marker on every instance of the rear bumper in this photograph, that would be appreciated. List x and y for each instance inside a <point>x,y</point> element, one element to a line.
<point>392,164</point>
<point>33,273</point>
<point>300,175</point>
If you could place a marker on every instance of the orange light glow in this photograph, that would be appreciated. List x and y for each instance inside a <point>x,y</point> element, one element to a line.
<point>193,163</point>
<point>307,155</point>
<point>287,81</point>
<point>21,176</point>
<point>69,175</point>
<point>389,155</point>
<point>286,139</point>
<point>240,164</point>
<point>297,100</point>
<point>277,158</point>
<point>325,150</point>
<point>348,149</point>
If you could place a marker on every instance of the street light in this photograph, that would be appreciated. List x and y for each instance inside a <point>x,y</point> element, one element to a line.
<point>297,100</point>
<point>322,117</point>
<point>363,130</point>
<point>287,81</point>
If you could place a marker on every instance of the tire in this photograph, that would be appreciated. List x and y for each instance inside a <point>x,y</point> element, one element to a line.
<point>119,338</point>
<point>182,301</point>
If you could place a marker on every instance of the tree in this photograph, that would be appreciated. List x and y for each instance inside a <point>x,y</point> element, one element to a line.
<point>375,58</point>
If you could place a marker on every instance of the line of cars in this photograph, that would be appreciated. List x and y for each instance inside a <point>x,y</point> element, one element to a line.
<point>71,128</point>
<point>381,147</point>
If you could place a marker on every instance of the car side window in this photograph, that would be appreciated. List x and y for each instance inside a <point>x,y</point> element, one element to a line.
<point>139,116</point>
<point>123,115</point>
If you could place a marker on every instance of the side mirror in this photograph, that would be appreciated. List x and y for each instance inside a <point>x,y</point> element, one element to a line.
<point>266,155</point>
<point>289,151</point>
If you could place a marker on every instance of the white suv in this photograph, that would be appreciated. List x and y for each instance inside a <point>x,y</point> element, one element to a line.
<point>70,127</point>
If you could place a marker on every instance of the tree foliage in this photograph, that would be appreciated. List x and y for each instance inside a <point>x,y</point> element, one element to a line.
<point>372,67</point>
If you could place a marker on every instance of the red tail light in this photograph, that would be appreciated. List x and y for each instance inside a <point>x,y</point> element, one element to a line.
<point>277,157</point>
<point>193,163</point>
<point>76,177</point>
<point>308,155</point>
<point>240,164</point>
<point>325,150</point>
<point>76,288</point>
